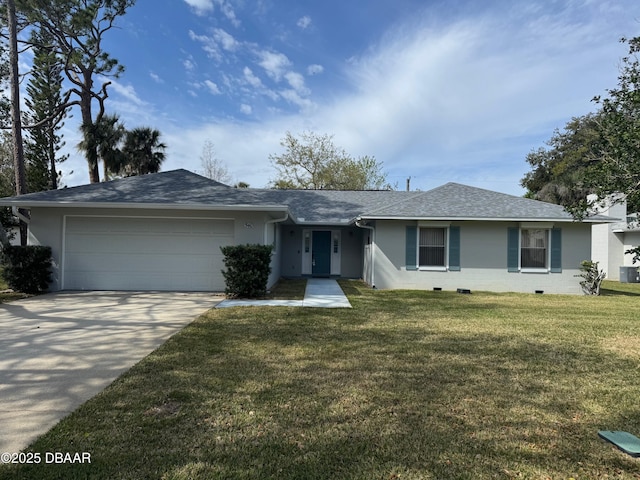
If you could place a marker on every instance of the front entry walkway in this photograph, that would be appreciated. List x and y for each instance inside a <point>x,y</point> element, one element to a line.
<point>320,293</point>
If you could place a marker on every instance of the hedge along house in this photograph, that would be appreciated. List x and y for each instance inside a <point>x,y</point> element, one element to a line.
<point>164,232</point>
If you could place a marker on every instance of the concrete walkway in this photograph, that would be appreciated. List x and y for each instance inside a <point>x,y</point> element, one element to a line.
<point>320,293</point>
<point>59,350</point>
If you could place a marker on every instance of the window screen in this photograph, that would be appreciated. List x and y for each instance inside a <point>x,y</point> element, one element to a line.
<point>432,247</point>
<point>533,248</point>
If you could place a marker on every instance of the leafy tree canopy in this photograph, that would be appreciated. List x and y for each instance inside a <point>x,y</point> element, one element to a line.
<point>617,165</point>
<point>558,169</point>
<point>598,153</point>
<point>313,161</point>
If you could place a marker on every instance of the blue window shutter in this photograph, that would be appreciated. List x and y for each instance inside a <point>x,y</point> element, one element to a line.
<point>556,250</point>
<point>513,240</point>
<point>412,248</point>
<point>454,249</point>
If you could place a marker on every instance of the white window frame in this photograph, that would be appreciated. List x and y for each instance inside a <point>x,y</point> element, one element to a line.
<point>547,260</point>
<point>433,268</point>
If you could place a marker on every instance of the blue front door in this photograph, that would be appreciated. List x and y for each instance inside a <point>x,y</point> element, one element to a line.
<point>321,254</point>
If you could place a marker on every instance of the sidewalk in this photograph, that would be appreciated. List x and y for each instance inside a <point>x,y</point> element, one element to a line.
<point>320,293</point>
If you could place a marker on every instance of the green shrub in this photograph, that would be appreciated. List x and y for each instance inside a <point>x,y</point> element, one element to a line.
<point>248,269</point>
<point>27,269</point>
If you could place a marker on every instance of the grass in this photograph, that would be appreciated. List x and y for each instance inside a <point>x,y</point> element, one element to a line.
<point>406,385</point>
<point>288,289</point>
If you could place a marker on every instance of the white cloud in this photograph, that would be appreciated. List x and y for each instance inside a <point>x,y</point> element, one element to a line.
<point>274,63</point>
<point>213,88</point>
<point>209,45</point>
<point>155,77</point>
<point>251,79</point>
<point>201,7</point>
<point>315,69</point>
<point>294,97</point>
<point>189,64</point>
<point>254,82</point>
<point>469,99</point>
<point>126,91</point>
<point>227,11</point>
<point>225,40</point>
<point>204,7</point>
<point>304,22</point>
<point>297,82</point>
<point>250,148</point>
<point>220,41</point>
<point>246,109</point>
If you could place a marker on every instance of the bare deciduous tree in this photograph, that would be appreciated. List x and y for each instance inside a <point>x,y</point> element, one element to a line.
<point>213,167</point>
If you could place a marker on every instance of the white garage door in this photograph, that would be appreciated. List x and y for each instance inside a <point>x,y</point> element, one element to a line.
<point>174,254</point>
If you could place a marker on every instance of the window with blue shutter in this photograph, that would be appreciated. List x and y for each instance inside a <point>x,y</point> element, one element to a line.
<point>534,250</point>
<point>454,249</point>
<point>411,250</point>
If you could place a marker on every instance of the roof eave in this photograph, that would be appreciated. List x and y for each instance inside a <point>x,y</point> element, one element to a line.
<point>153,206</point>
<point>487,219</point>
<point>328,223</point>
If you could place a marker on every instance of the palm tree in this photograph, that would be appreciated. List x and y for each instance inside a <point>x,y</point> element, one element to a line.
<point>102,142</point>
<point>143,151</point>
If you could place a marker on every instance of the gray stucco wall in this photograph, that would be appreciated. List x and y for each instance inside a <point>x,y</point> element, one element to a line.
<point>483,258</point>
<point>352,253</point>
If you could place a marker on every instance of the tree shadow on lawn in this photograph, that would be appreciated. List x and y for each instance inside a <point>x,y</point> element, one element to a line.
<point>305,397</point>
<point>616,288</point>
<point>617,293</point>
<point>352,287</point>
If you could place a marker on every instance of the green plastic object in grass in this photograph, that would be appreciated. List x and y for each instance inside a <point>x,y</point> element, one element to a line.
<point>628,443</point>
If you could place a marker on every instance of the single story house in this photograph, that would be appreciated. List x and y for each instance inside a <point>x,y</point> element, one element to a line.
<point>164,232</point>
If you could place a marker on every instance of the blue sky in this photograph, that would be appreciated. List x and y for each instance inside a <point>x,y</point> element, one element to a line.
<point>438,91</point>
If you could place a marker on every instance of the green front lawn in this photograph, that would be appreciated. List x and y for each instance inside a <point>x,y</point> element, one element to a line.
<point>406,385</point>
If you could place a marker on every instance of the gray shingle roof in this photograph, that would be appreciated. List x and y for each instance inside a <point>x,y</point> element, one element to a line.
<point>176,187</point>
<point>331,206</point>
<point>184,189</point>
<point>453,200</point>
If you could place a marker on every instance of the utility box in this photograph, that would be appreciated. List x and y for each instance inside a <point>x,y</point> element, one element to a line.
<point>629,275</point>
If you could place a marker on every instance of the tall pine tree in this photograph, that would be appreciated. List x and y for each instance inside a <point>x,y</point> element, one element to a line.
<point>44,99</point>
<point>79,28</point>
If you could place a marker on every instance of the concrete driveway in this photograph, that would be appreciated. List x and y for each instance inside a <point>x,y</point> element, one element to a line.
<point>60,349</point>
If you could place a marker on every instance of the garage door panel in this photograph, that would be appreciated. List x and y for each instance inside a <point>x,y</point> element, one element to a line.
<point>145,254</point>
<point>141,263</point>
<point>120,244</point>
<point>133,282</point>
